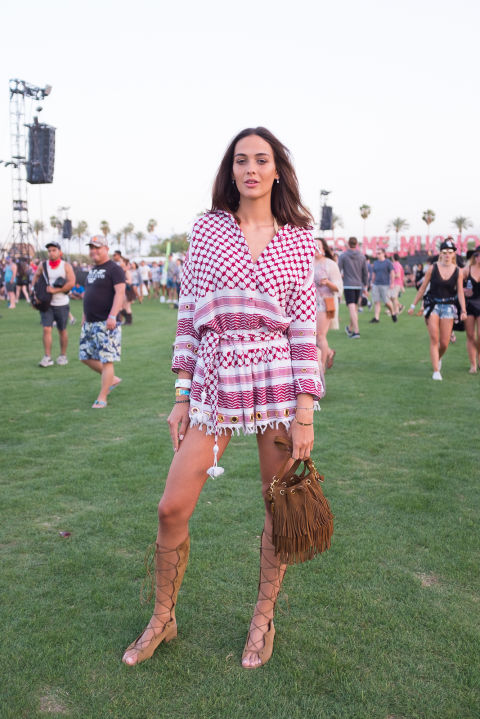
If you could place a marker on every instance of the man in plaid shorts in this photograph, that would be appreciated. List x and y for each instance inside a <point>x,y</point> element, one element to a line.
<point>101,335</point>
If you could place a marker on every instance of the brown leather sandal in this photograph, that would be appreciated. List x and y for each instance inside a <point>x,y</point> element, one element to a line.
<point>271,577</point>
<point>170,565</point>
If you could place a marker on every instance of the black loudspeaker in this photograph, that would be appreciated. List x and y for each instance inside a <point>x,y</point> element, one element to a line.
<point>67,230</point>
<point>326,221</point>
<point>41,154</point>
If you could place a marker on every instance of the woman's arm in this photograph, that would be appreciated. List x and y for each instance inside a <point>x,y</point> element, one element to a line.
<point>461,296</point>
<point>422,289</point>
<point>301,310</point>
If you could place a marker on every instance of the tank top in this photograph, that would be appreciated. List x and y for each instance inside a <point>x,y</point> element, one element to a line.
<point>475,287</point>
<point>59,298</point>
<point>443,289</point>
<point>8,274</point>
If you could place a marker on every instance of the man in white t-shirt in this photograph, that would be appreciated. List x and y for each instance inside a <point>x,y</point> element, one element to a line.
<point>61,279</point>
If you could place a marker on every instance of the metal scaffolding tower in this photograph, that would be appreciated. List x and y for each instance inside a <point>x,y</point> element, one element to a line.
<point>21,235</point>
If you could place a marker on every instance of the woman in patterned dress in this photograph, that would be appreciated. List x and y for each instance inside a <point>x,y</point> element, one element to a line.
<point>246,360</point>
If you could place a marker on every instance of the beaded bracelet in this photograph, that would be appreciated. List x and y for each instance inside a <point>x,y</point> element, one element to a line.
<point>182,401</point>
<point>309,408</point>
<point>304,424</point>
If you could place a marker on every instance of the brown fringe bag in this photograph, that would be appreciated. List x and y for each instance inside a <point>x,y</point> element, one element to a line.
<point>302,520</point>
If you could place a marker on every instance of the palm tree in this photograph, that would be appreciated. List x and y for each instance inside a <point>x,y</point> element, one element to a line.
<point>462,223</point>
<point>336,220</point>
<point>428,217</point>
<point>365,210</point>
<point>37,227</point>
<point>79,232</point>
<point>398,224</point>
<point>55,223</point>
<point>105,228</point>
<point>140,236</point>
<point>127,231</point>
<point>151,225</point>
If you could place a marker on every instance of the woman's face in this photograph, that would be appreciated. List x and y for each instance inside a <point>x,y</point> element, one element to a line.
<point>447,256</point>
<point>253,168</point>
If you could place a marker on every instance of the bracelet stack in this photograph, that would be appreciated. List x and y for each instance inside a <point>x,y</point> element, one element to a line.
<point>182,391</point>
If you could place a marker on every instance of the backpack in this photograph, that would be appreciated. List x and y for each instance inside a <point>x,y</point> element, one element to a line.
<point>39,297</point>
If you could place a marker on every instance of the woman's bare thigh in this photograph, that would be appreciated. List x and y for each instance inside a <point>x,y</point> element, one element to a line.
<point>188,470</point>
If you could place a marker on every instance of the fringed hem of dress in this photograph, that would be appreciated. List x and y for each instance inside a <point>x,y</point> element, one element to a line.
<point>196,420</point>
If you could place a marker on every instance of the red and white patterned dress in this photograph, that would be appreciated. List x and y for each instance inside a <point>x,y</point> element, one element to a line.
<point>246,330</point>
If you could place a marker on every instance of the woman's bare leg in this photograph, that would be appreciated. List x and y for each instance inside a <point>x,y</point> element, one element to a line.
<point>472,348</point>
<point>323,323</point>
<point>445,331</point>
<point>272,459</point>
<point>433,323</point>
<point>186,478</point>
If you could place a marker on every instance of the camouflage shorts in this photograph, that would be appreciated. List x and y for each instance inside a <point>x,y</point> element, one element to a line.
<point>96,342</point>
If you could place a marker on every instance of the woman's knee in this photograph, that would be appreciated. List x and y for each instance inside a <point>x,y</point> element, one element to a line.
<point>170,512</point>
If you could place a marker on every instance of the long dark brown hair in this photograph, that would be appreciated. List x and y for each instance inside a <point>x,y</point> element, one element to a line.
<point>326,249</point>
<point>286,203</point>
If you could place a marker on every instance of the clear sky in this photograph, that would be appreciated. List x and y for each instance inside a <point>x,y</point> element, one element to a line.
<point>377,100</point>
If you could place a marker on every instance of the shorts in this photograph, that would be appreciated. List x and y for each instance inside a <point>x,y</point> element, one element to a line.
<point>11,286</point>
<point>394,292</point>
<point>380,293</point>
<point>351,296</point>
<point>58,314</point>
<point>170,284</point>
<point>98,343</point>
<point>445,312</point>
<point>473,307</point>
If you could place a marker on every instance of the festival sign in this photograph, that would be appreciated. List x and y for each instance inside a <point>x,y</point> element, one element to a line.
<point>406,245</point>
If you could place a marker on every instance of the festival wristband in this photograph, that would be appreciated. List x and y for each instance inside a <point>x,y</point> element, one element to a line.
<point>183,383</point>
<point>112,317</point>
<point>412,306</point>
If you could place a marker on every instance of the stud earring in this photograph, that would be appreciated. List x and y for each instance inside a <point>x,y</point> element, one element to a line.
<point>277,181</point>
<point>233,182</point>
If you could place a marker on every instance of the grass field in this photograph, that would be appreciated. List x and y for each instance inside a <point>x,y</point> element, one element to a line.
<point>383,626</point>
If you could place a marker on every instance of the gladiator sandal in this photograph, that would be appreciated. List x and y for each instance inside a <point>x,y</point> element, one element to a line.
<point>270,581</point>
<point>170,565</point>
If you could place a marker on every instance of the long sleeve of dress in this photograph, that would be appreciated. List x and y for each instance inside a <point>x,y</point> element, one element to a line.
<point>301,336</point>
<point>187,338</point>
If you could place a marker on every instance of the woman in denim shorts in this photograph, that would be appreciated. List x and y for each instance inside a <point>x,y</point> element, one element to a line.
<point>440,302</point>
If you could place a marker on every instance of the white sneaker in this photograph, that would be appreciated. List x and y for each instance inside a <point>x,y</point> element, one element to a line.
<point>46,361</point>
<point>62,359</point>
<point>437,375</point>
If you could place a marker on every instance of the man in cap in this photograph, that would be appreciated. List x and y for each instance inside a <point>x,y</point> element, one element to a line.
<point>61,279</point>
<point>101,335</point>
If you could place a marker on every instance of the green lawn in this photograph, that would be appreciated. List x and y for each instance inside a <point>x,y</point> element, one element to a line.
<point>384,625</point>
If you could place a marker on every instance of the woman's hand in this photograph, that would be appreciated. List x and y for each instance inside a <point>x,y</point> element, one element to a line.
<point>302,438</point>
<point>178,421</point>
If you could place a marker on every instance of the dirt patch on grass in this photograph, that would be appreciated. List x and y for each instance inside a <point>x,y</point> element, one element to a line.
<point>54,701</point>
<point>427,579</point>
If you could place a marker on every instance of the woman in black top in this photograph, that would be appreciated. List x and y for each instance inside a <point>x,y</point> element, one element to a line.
<point>446,286</point>
<point>419,275</point>
<point>471,278</point>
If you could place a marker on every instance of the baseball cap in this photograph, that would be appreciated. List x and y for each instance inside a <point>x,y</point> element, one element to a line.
<point>54,244</point>
<point>98,241</point>
<point>448,244</point>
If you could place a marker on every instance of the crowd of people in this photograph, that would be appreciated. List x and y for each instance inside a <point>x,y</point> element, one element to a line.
<point>450,292</point>
<point>359,280</point>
